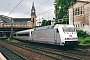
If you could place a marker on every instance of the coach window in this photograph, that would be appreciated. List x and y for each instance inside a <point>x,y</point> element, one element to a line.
<point>14,34</point>
<point>26,34</point>
<point>19,34</point>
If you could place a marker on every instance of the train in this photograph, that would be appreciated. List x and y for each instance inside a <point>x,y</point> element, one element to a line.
<point>59,34</point>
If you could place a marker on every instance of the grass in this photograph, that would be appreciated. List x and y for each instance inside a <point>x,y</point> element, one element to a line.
<point>13,40</point>
<point>84,41</point>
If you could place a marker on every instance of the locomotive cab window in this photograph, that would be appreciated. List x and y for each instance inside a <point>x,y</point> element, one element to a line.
<point>31,32</point>
<point>68,29</point>
<point>57,30</point>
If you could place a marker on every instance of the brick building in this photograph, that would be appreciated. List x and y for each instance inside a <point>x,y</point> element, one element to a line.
<point>79,15</point>
<point>5,21</point>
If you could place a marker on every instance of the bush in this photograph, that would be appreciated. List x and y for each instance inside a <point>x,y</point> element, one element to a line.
<point>81,33</point>
<point>85,41</point>
<point>4,36</point>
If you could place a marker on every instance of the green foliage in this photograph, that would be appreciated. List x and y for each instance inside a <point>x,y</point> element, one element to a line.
<point>45,22</point>
<point>81,33</point>
<point>4,36</point>
<point>87,42</point>
<point>84,38</point>
<point>15,41</point>
<point>35,26</point>
<point>84,41</point>
<point>49,22</point>
<point>63,11</point>
<point>63,22</point>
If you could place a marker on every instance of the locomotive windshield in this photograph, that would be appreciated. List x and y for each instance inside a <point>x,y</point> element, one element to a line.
<point>66,29</point>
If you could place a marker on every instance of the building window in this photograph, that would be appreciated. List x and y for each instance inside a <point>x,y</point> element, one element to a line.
<point>82,10</point>
<point>5,25</point>
<point>82,25</point>
<point>79,10</point>
<point>76,25</point>
<point>76,11</point>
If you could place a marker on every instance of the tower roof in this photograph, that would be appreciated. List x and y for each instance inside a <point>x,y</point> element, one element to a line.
<point>33,10</point>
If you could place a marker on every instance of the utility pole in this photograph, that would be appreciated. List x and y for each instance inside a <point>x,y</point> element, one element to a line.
<point>73,11</point>
<point>39,20</point>
<point>11,28</point>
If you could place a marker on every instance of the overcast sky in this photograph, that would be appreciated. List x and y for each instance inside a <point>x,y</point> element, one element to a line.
<point>24,9</point>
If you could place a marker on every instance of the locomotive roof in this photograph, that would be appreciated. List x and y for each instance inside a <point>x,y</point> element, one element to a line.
<point>54,26</point>
<point>44,27</point>
<point>63,25</point>
<point>25,31</point>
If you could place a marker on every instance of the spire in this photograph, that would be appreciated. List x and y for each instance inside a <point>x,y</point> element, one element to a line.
<point>33,5</point>
<point>33,10</point>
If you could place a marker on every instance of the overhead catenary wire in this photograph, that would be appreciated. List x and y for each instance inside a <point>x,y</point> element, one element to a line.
<point>49,17</point>
<point>16,6</point>
<point>7,6</point>
<point>45,11</point>
<point>42,3</point>
<point>46,18</point>
<point>37,7</point>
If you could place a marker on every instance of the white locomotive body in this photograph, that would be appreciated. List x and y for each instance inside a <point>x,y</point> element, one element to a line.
<point>57,35</point>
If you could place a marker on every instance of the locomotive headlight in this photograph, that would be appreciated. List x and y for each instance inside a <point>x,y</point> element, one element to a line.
<point>65,38</point>
<point>63,43</point>
<point>76,38</point>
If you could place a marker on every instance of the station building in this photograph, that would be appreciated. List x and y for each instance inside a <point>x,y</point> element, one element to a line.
<point>5,21</point>
<point>79,15</point>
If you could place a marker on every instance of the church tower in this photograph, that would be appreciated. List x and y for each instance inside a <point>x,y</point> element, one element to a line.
<point>33,15</point>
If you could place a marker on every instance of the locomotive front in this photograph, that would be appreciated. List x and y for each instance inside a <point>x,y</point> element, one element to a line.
<point>68,35</point>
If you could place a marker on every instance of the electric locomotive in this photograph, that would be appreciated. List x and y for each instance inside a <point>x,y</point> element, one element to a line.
<point>59,34</point>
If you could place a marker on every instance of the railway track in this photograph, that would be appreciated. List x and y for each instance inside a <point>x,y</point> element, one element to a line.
<point>71,54</point>
<point>55,53</point>
<point>10,55</point>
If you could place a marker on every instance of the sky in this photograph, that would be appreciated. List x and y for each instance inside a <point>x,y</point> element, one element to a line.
<point>44,8</point>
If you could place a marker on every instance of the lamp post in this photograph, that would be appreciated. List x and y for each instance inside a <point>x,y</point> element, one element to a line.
<point>56,20</point>
<point>73,11</point>
<point>56,12</point>
<point>39,21</point>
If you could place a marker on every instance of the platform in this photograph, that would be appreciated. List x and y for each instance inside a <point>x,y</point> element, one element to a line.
<point>2,57</point>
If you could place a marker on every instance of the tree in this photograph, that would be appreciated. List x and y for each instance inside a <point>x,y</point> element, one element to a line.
<point>45,22</point>
<point>82,33</point>
<point>63,11</point>
<point>49,22</point>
